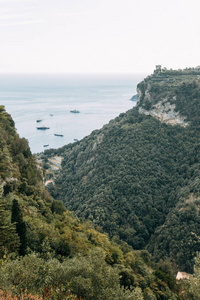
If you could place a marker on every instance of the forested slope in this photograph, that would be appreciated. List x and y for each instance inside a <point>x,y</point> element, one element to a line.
<point>138,177</point>
<point>47,253</point>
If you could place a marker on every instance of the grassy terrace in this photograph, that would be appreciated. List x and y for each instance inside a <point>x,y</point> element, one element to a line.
<point>174,77</point>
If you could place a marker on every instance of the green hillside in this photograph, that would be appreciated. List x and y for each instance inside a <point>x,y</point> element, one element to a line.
<point>47,253</point>
<point>138,177</point>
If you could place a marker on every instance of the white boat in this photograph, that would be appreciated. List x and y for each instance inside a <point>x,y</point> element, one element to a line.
<point>75,111</point>
<point>43,127</point>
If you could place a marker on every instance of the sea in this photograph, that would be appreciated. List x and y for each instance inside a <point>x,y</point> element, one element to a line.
<point>50,98</point>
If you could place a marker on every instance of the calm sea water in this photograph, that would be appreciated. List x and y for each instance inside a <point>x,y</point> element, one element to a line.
<point>99,98</point>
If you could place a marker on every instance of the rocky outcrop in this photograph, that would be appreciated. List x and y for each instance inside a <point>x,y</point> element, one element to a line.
<point>98,141</point>
<point>7,185</point>
<point>165,112</point>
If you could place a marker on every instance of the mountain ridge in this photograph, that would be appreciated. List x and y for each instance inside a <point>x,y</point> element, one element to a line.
<point>133,180</point>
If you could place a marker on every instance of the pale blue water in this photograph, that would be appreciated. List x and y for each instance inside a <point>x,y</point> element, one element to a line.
<point>99,98</point>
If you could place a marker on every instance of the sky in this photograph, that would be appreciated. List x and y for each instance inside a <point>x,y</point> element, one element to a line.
<point>98,36</point>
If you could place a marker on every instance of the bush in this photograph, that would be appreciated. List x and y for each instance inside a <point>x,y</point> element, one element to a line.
<point>87,277</point>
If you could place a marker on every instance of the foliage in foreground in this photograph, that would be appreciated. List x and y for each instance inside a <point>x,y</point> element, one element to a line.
<point>87,277</point>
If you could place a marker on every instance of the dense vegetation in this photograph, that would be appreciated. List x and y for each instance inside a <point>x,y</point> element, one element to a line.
<point>138,178</point>
<point>188,101</point>
<point>47,253</point>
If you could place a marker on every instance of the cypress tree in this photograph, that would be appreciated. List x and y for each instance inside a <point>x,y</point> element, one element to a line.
<point>9,240</point>
<point>17,218</point>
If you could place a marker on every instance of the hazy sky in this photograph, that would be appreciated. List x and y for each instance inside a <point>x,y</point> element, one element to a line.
<point>98,35</point>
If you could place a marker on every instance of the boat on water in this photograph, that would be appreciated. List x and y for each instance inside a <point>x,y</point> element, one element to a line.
<point>43,127</point>
<point>76,140</point>
<point>46,145</point>
<point>58,134</point>
<point>75,111</point>
<point>39,120</point>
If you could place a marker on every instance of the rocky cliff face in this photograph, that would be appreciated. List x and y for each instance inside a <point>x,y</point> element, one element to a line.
<point>165,112</point>
<point>157,96</point>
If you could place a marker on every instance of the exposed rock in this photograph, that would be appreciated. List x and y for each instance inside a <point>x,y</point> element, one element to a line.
<point>49,181</point>
<point>98,141</point>
<point>147,94</point>
<point>182,275</point>
<point>165,112</point>
<point>8,183</point>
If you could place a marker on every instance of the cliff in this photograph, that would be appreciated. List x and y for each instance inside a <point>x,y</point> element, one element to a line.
<point>160,95</point>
